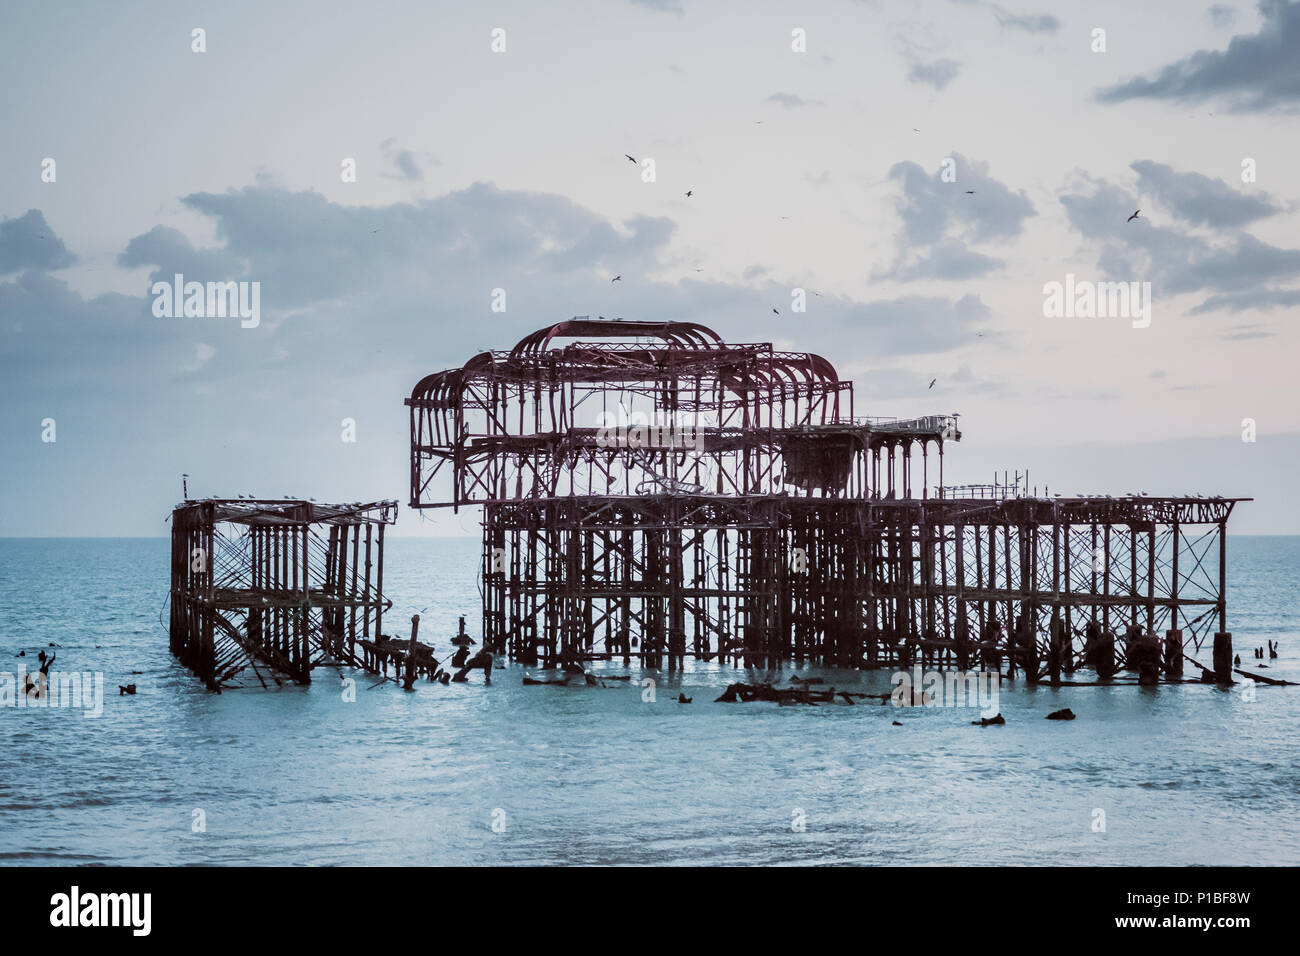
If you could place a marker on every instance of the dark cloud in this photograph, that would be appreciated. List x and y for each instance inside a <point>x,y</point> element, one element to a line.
<point>1174,259</point>
<point>28,242</point>
<point>951,261</point>
<point>941,220</point>
<point>929,206</point>
<point>164,244</point>
<point>937,74</point>
<point>359,302</point>
<point>792,101</point>
<point>1256,72</point>
<point>1199,199</point>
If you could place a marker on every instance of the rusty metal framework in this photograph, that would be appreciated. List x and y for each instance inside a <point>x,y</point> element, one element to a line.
<point>286,584</point>
<point>652,492</point>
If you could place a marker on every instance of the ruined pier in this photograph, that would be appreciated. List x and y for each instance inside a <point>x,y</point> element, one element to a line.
<point>653,493</point>
<point>274,588</point>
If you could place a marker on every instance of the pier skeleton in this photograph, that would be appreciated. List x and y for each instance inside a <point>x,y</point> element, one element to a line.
<point>286,584</point>
<point>786,528</point>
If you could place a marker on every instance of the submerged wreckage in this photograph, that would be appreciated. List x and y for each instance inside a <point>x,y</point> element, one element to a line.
<point>652,493</point>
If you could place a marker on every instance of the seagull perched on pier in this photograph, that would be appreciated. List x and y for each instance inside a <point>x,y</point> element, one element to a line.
<point>1132,217</point>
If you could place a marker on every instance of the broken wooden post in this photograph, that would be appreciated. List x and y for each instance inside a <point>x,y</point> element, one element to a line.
<point>409,681</point>
<point>1144,656</point>
<point>1223,657</point>
<point>1058,648</point>
<point>1174,653</point>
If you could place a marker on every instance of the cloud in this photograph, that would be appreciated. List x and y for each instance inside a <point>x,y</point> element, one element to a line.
<point>791,100</point>
<point>1261,299</point>
<point>28,242</point>
<point>162,244</point>
<point>941,221</point>
<point>202,355</point>
<point>405,162</point>
<point>359,302</point>
<point>663,6</point>
<point>1241,333</point>
<point>937,74</point>
<point>950,261</point>
<point>1030,23</point>
<point>1199,199</point>
<point>1221,16</point>
<point>1256,72</point>
<point>1174,259</point>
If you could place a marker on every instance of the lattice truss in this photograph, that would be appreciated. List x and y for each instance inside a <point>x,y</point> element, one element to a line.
<point>286,584</point>
<point>779,525</point>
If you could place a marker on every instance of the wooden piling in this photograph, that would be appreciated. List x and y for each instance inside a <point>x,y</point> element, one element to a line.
<point>1223,657</point>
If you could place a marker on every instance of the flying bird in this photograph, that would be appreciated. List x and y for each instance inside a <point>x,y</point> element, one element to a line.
<point>615,279</point>
<point>629,158</point>
<point>689,193</point>
<point>1132,217</point>
<point>775,312</point>
<point>932,381</point>
<point>970,192</point>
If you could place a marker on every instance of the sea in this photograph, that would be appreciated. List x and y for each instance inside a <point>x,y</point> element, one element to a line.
<point>469,774</point>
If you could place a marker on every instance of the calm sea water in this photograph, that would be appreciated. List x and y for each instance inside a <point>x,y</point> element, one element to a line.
<point>1183,775</point>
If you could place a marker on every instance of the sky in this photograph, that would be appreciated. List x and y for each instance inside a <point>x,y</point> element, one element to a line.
<point>923,170</point>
